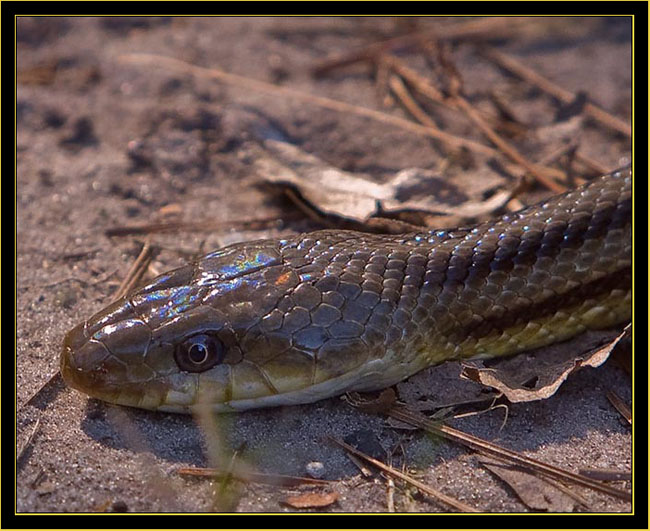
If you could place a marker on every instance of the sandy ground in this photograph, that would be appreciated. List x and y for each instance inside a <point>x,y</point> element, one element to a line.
<point>103,144</point>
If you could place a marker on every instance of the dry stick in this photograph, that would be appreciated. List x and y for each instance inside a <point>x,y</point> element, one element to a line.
<point>587,161</point>
<point>472,28</point>
<point>382,71</point>
<point>196,226</point>
<point>253,477</point>
<point>425,88</point>
<point>390,495</point>
<point>416,419</point>
<point>558,153</point>
<point>29,440</point>
<point>620,406</point>
<point>400,90</point>
<point>225,500</point>
<point>428,90</point>
<point>509,150</point>
<point>448,500</point>
<point>420,84</point>
<point>525,461</point>
<point>327,103</point>
<point>532,77</point>
<point>570,150</point>
<point>606,474</point>
<point>101,279</point>
<point>592,164</point>
<point>136,271</point>
<point>506,113</point>
<point>514,205</point>
<point>171,226</point>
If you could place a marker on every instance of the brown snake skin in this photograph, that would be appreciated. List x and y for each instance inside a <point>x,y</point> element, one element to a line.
<point>273,322</point>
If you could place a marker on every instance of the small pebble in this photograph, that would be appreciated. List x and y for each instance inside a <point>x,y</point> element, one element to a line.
<point>315,469</point>
<point>119,506</point>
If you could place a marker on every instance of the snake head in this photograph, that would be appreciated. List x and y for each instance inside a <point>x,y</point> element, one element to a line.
<point>239,328</point>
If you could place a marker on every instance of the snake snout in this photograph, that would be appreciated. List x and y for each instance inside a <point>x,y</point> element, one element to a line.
<point>108,358</point>
<point>82,360</point>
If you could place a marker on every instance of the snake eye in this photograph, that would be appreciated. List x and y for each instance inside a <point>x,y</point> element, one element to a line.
<point>199,353</point>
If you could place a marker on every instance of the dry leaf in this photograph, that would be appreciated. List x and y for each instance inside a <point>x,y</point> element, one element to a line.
<point>312,500</point>
<point>357,197</point>
<point>534,492</point>
<point>538,374</point>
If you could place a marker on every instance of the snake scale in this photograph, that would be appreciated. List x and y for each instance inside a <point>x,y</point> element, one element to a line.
<point>275,322</point>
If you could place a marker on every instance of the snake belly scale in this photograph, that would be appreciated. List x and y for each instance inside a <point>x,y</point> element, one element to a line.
<point>275,322</point>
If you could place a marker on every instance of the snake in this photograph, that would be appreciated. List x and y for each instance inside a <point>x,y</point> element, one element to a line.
<point>280,322</point>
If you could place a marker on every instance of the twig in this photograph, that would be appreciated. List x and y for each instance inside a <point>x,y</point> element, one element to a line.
<point>253,477</point>
<point>620,406</point>
<point>472,28</point>
<point>137,270</point>
<point>29,440</point>
<point>457,102</point>
<point>606,474</point>
<point>327,103</point>
<point>570,151</point>
<point>447,500</point>
<point>416,419</point>
<point>505,112</point>
<point>382,71</point>
<point>422,85</point>
<point>505,146</point>
<point>365,471</point>
<point>390,495</point>
<point>81,281</point>
<point>492,407</point>
<point>197,226</point>
<point>532,77</point>
<point>419,83</point>
<point>592,164</point>
<point>402,93</point>
<point>558,153</point>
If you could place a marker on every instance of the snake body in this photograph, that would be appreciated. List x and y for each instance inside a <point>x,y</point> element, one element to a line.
<point>275,322</point>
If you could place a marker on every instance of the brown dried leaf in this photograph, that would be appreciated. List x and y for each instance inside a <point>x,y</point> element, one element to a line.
<point>312,500</point>
<point>357,197</point>
<point>538,374</point>
<point>534,492</point>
